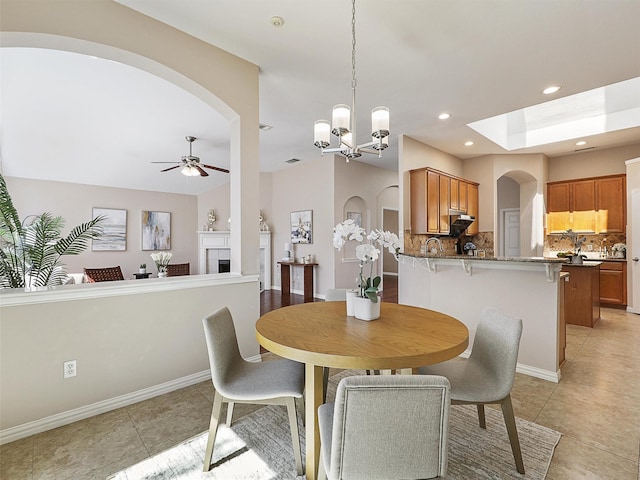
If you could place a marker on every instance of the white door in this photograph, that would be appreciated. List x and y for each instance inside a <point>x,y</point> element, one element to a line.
<point>511,232</point>
<point>634,253</point>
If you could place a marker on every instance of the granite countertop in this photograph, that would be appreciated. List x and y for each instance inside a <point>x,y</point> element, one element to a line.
<point>585,263</point>
<point>446,256</point>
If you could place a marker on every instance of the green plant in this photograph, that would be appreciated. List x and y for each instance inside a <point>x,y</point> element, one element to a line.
<point>143,265</point>
<point>31,250</point>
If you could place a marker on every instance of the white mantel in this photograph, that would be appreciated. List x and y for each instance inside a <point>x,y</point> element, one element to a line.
<point>214,245</point>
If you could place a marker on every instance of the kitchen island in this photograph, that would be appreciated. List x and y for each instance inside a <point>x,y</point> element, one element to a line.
<point>462,286</point>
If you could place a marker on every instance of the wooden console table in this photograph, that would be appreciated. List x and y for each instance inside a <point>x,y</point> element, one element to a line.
<point>285,278</point>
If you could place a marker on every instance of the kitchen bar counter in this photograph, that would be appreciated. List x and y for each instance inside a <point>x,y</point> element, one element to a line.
<point>463,285</point>
<point>445,256</point>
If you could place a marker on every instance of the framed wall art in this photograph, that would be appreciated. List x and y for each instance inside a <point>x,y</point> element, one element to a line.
<point>302,226</point>
<point>356,217</point>
<point>156,230</point>
<point>114,230</point>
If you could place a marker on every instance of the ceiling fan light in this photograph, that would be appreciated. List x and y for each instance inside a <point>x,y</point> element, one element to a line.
<point>190,171</point>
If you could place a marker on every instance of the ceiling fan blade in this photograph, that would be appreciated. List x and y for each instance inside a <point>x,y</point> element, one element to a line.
<point>170,168</point>
<point>163,162</point>
<point>216,168</point>
<point>202,172</point>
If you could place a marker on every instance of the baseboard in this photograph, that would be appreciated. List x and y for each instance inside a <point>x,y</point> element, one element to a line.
<point>70,416</point>
<point>547,375</point>
<point>536,372</point>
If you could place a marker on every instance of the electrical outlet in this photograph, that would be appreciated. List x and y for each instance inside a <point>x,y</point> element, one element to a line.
<point>590,247</point>
<point>69,369</point>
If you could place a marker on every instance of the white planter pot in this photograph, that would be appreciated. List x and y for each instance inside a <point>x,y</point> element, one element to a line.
<point>162,274</point>
<point>351,295</point>
<point>142,271</point>
<point>365,309</point>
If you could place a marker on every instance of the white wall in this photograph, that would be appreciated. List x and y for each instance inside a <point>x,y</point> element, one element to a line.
<point>414,154</point>
<point>126,337</point>
<point>592,163</point>
<point>304,186</point>
<point>74,203</point>
<point>376,187</point>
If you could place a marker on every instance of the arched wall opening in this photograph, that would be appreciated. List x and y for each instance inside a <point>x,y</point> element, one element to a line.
<point>518,207</point>
<point>227,83</point>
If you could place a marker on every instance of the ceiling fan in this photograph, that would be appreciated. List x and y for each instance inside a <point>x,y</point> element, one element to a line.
<point>191,166</point>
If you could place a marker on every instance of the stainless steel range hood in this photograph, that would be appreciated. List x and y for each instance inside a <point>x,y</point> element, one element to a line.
<point>459,221</point>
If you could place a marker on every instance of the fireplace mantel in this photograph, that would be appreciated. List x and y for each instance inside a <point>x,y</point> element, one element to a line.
<point>214,245</point>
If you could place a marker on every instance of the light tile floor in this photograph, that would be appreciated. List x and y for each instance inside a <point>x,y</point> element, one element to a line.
<point>596,406</point>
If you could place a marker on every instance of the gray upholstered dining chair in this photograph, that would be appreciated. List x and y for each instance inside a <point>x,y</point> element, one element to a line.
<point>487,376</point>
<point>274,382</point>
<point>385,427</point>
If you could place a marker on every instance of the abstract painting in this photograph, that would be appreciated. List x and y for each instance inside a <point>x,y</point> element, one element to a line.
<point>114,230</point>
<point>156,230</point>
<point>302,226</point>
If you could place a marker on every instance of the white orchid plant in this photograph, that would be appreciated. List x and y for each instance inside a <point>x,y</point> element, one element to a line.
<point>161,260</point>
<point>366,252</point>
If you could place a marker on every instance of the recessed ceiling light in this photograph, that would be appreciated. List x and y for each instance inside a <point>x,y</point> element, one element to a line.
<point>277,21</point>
<point>551,89</point>
<point>468,143</point>
<point>580,143</point>
<point>444,116</point>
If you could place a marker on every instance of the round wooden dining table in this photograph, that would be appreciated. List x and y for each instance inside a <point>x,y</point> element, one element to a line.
<point>320,334</point>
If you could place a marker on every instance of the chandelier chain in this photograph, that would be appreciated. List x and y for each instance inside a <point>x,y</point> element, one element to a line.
<point>353,44</point>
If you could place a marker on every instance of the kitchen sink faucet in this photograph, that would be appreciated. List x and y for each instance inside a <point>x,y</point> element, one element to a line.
<point>426,245</point>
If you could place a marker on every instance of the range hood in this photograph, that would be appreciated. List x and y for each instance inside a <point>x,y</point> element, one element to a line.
<point>459,221</point>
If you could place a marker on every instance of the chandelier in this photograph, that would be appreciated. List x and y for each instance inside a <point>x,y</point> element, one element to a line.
<point>343,119</point>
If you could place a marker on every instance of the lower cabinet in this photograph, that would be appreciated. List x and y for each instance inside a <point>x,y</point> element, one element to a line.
<point>613,283</point>
<point>582,295</point>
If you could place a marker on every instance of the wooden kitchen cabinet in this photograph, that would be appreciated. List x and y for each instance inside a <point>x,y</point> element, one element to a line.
<point>611,201</point>
<point>444,203</point>
<point>583,196</point>
<point>613,283</point>
<point>433,193</point>
<point>588,205</point>
<point>582,295</point>
<point>559,197</point>
<point>473,208</point>
<point>433,202</point>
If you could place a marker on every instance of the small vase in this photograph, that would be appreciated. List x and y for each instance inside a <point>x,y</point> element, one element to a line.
<point>162,274</point>
<point>365,309</point>
<point>351,295</point>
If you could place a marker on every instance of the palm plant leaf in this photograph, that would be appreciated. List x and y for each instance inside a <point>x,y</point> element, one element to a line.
<point>78,239</point>
<point>31,250</point>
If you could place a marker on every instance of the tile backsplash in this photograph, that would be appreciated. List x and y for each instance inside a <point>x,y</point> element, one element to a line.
<point>594,243</point>
<point>482,241</point>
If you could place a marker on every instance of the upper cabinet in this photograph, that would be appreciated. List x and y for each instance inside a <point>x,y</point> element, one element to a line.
<point>612,204</point>
<point>433,193</point>
<point>589,205</point>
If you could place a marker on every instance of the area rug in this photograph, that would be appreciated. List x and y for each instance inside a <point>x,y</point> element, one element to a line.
<point>258,447</point>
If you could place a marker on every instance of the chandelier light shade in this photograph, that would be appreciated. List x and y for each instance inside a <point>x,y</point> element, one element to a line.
<point>322,134</point>
<point>343,119</point>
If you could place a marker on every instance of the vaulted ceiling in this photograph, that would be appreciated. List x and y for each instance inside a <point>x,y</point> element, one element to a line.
<point>75,118</point>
